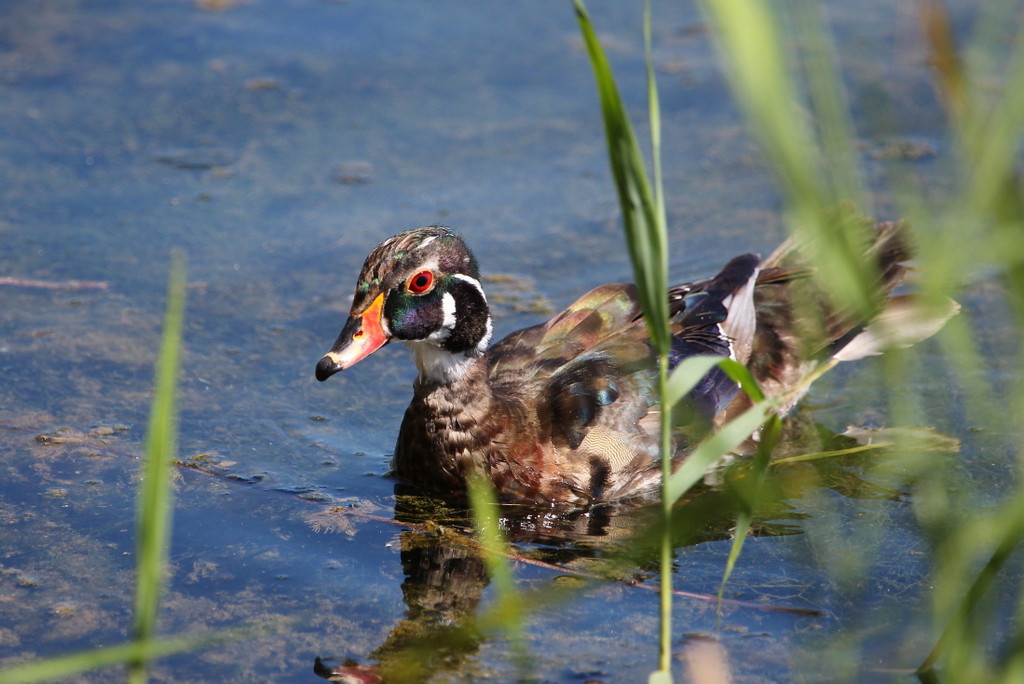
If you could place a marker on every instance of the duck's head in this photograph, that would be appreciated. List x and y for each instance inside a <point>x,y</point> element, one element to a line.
<point>421,287</point>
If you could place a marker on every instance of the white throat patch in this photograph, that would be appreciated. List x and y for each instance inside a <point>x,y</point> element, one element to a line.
<point>435,365</point>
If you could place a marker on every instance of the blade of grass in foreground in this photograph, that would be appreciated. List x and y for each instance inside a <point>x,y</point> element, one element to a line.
<point>155,494</point>
<point>67,667</point>
<point>643,218</point>
<point>646,235</point>
<point>749,40</point>
<point>153,521</point>
<point>751,490</point>
<point>663,675</point>
<point>722,442</point>
<point>509,609</point>
<point>1010,534</point>
<point>749,495</point>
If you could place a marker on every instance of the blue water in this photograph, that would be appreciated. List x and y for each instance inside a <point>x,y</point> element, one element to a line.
<point>276,143</point>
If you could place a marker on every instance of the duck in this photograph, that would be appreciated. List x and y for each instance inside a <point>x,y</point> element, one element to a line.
<point>565,413</point>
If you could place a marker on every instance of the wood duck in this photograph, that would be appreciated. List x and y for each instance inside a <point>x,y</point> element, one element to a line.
<point>565,412</point>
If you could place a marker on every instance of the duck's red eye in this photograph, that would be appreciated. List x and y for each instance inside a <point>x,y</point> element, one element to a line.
<point>420,282</point>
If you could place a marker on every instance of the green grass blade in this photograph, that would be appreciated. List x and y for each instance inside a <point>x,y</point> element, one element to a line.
<point>686,375</point>
<point>155,493</point>
<point>645,234</point>
<point>643,213</point>
<point>68,666</point>
<point>743,377</point>
<point>508,611</point>
<point>990,137</point>
<point>654,114</point>
<point>770,433</point>
<point>711,450</point>
<point>835,129</point>
<point>1010,536</point>
<point>660,229</point>
<point>749,39</point>
<point>835,453</point>
<point>691,370</point>
<point>983,224</point>
<point>153,522</point>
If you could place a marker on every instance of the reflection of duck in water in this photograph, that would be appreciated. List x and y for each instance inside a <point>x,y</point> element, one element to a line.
<point>445,574</point>
<point>565,412</point>
<point>444,579</point>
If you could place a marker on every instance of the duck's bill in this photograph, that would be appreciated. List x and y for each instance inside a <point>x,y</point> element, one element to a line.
<point>361,336</point>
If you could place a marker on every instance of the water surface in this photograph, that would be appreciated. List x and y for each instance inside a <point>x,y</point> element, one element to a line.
<point>276,143</point>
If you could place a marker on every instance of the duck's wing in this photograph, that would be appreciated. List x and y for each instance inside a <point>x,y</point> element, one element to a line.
<point>591,375</point>
<point>583,325</point>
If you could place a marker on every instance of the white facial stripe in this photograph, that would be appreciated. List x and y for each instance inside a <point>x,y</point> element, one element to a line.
<point>426,242</point>
<point>481,346</point>
<point>486,339</point>
<point>472,281</point>
<point>448,305</point>
<point>448,324</point>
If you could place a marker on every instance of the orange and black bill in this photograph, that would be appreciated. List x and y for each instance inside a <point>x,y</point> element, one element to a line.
<point>362,335</point>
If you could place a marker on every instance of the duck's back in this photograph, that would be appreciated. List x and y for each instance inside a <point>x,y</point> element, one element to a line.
<point>588,380</point>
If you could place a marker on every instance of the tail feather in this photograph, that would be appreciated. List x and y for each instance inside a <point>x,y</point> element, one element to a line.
<point>905,321</point>
<point>797,326</point>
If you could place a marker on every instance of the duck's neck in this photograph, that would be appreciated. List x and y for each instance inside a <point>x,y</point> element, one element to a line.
<point>438,367</point>
<point>450,423</point>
